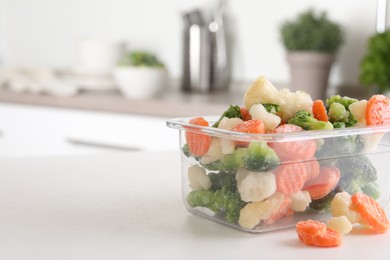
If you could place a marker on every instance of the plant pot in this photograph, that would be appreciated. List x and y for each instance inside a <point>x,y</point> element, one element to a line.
<point>140,82</point>
<point>310,71</point>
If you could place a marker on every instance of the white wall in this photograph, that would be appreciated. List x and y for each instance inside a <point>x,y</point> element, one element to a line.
<point>45,32</point>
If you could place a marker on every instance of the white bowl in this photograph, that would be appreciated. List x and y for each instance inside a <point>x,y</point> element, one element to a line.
<point>140,82</point>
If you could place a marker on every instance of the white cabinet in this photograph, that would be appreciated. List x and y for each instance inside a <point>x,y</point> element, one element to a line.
<point>31,131</point>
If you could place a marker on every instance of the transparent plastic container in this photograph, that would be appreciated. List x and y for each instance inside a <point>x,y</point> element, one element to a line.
<point>239,182</point>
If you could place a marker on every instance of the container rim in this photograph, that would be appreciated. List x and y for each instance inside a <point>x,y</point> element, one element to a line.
<point>182,124</point>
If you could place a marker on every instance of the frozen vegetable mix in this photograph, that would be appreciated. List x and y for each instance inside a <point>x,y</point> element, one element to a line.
<point>281,156</point>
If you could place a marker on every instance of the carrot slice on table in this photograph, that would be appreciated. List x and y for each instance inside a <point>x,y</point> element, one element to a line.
<point>319,111</point>
<point>290,178</point>
<point>370,211</point>
<point>325,182</point>
<point>310,227</point>
<point>198,143</point>
<point>315,233</point>
<point>378,110</point>
<point>245,114</point>
<point>250,127</point>
<point>297,150</point>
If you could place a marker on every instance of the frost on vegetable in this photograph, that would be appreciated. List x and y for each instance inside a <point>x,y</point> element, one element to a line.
<point>198,178</point>
<point>255,186</point>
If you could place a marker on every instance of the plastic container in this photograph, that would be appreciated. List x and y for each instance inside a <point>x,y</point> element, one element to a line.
<point>349,159</point>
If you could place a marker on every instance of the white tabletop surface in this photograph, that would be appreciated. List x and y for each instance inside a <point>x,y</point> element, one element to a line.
<point>128,206</point>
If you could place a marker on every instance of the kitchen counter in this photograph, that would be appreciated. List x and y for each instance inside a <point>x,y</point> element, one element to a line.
<point>129,206</point>
<point>169,104</point>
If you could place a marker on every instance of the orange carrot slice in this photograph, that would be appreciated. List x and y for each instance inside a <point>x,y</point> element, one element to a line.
<point>315,233</point>
<point>319,111</point>
<point>370,211</point>
<point>310,228</point>
<point>198,143</point>
<point>378,110</point>
<point>322,185</point>
<point>290,178</point>
<point>297,150</point>
<point>251,127</point>
<point>245,114</point>
<point>312,168</point>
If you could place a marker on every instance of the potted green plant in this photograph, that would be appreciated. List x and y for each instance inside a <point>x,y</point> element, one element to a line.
<point>311,41</point>
<point>375,65</point>
<point>140,75</point>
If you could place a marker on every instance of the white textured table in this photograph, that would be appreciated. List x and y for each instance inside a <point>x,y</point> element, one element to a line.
<point>128,206</point>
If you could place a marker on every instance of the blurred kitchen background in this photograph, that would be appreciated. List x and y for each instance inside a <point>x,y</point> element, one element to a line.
<point>62,91</point>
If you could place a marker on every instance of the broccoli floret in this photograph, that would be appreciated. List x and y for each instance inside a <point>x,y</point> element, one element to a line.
<point>338,113</point>
<point>372,189</point>
<point>272,108</point>
<point>356,172</point>
<point>223,180</point>
<point>324,203</point>
<point>202,198</point>
<point>260,157</point>
<point>222,198</point>
<point>339,125</point>
<point>340,116</point>
<point>305,120</point>
<point>186,150</point>
<point>345,101</point>
<point>335,147</point>
<point>230,162</point>
<point>231,112</point>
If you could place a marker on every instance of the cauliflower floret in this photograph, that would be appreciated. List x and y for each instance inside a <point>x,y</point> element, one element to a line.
<point>261,91</point>
<point>294,102</point>
<point>253,213</point>
<point>358,110</point>
<point>340,224</point>
<point>270,120</point>
<point>228,145</point>
<point>255,186</point>
<point>340,206</point>
<point>300,201</point>
<point>214,153</point>
<point>198,178</point>
<point>268,210</point>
